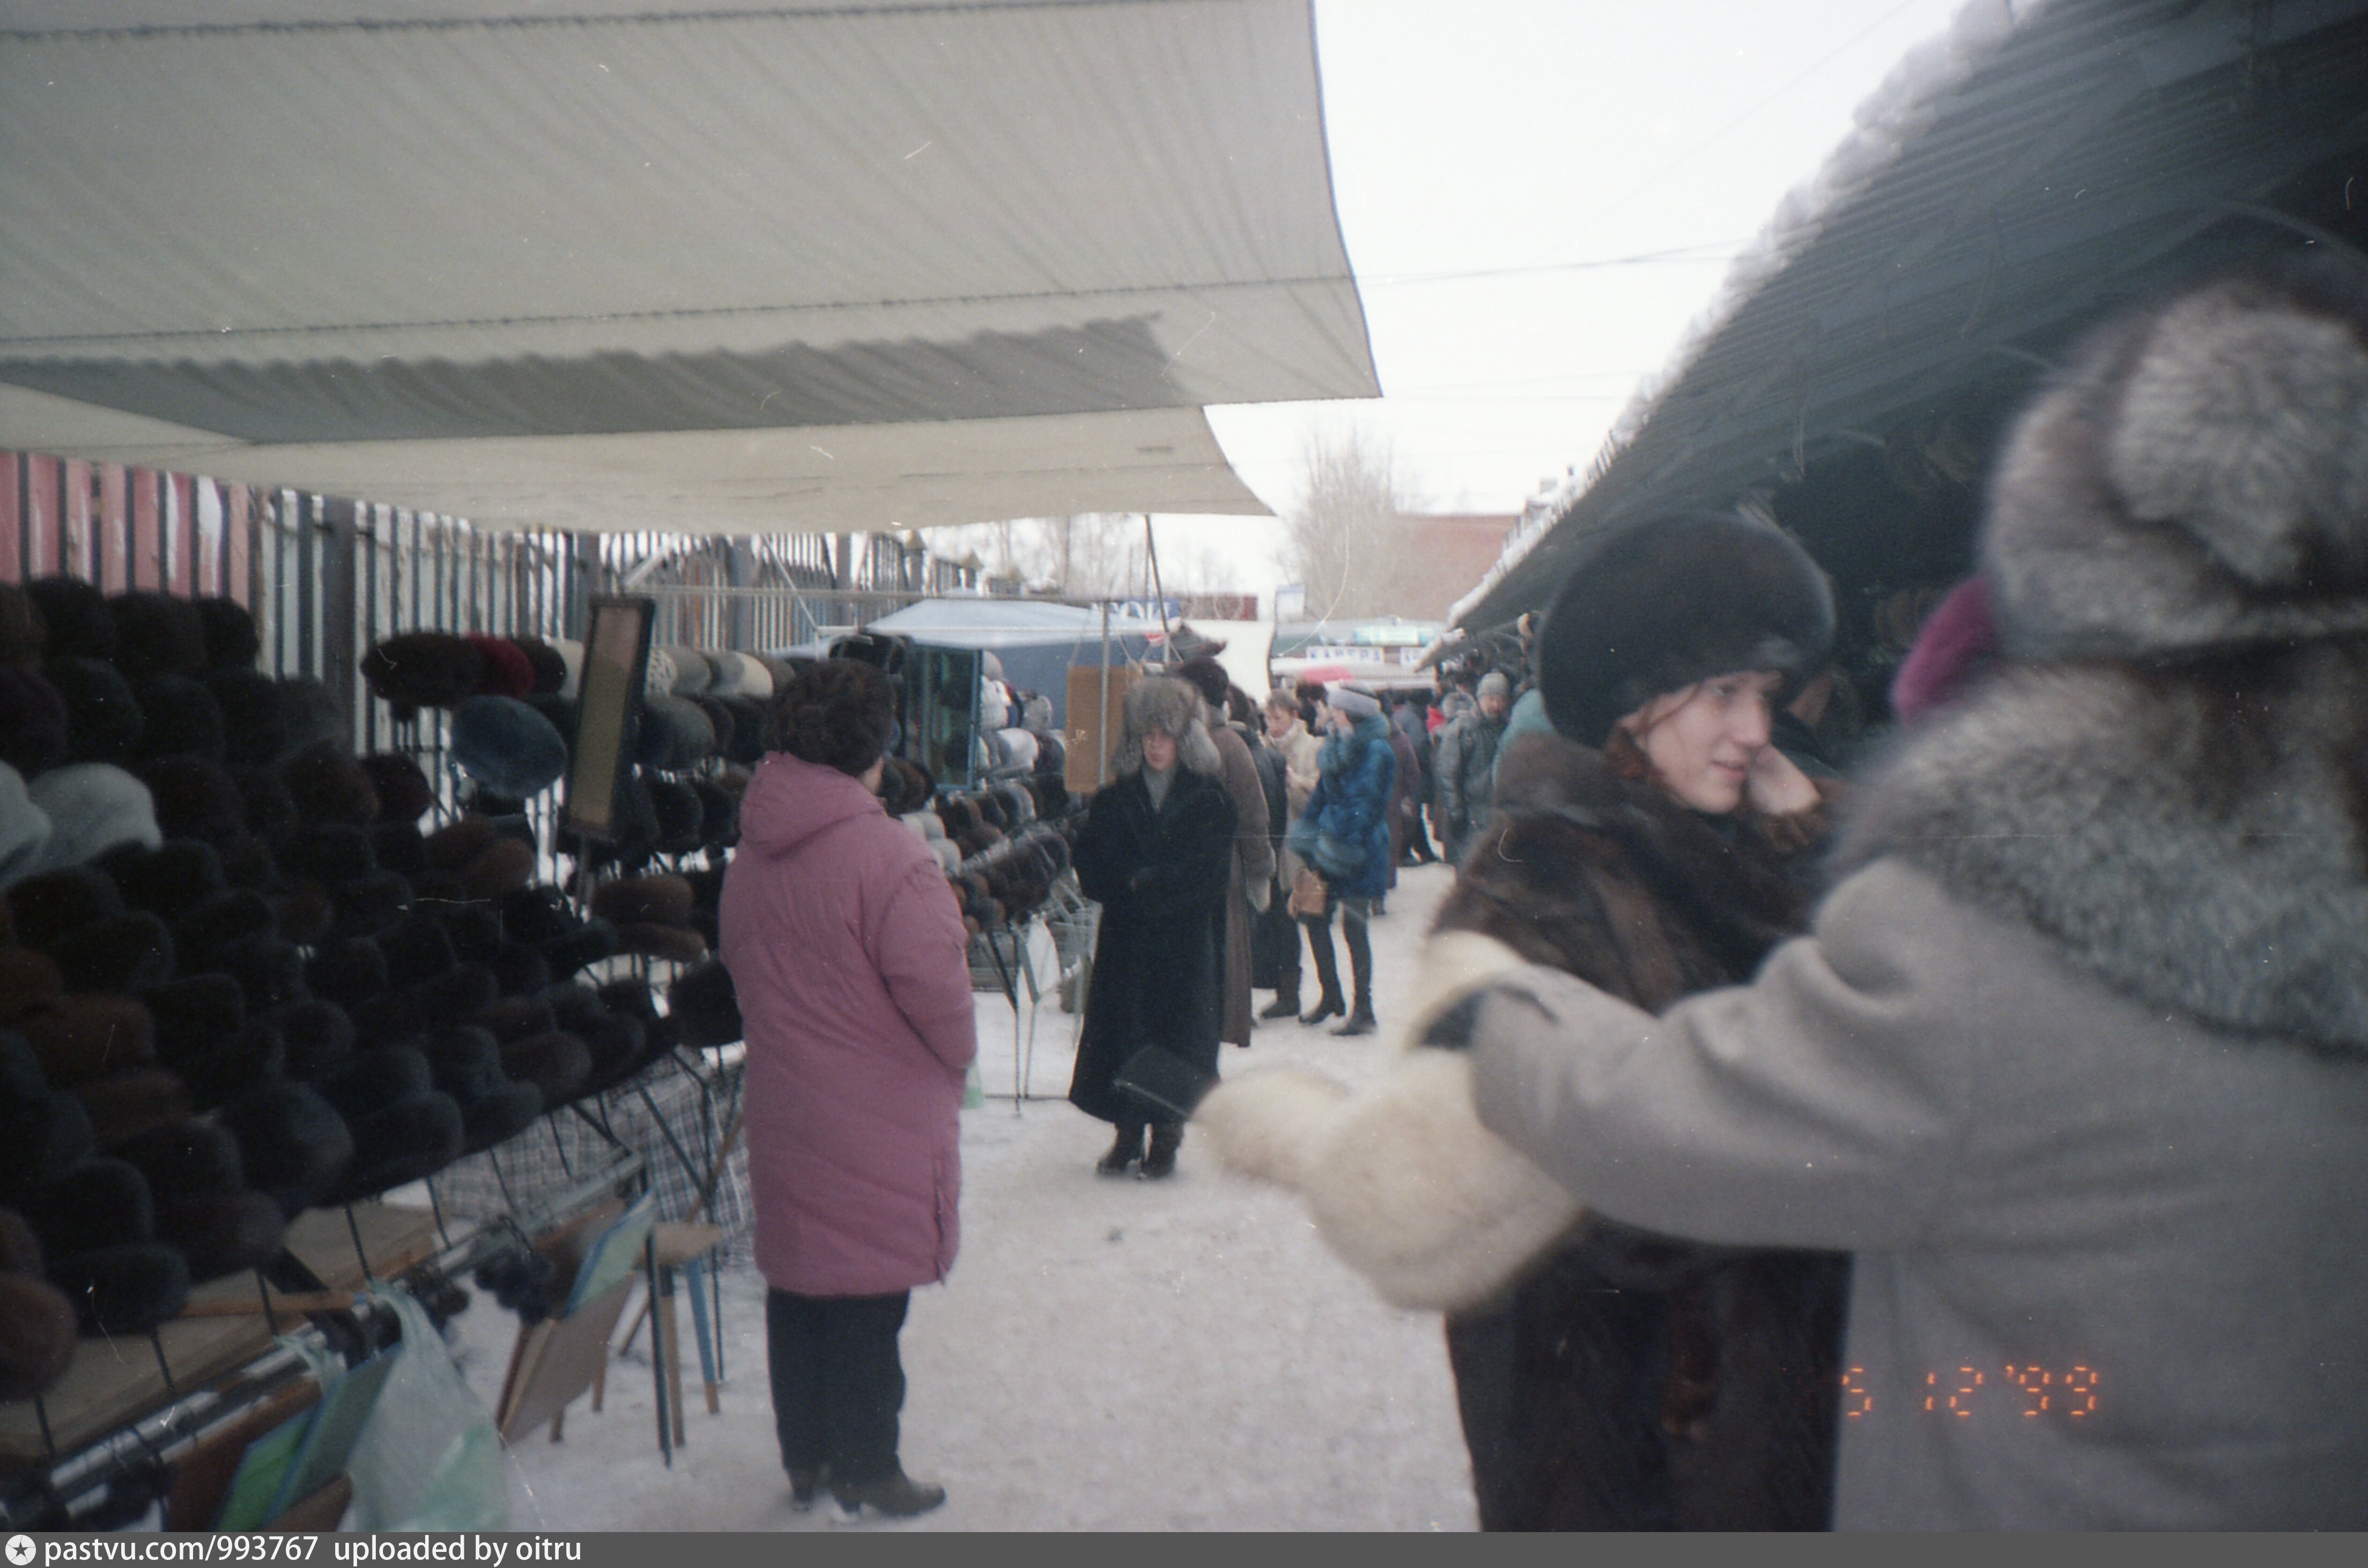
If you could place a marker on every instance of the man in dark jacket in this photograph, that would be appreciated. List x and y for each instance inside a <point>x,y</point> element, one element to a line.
<point>1466,763</point>
<point>1414,778</point>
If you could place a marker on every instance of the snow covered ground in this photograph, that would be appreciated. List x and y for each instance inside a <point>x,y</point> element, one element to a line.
<point>1107,1354</point>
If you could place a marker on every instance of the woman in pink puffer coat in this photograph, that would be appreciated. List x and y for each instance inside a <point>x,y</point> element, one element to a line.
<point>848,952</point>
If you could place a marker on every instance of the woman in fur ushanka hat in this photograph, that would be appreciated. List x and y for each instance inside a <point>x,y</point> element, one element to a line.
<point>1158,855</point>
<point>2075,1059</point>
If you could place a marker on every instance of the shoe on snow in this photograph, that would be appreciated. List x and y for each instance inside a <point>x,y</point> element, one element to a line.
<point>894,1494</point>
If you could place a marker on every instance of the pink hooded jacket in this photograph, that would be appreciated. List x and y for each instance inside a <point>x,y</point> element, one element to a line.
<point>848,951</point>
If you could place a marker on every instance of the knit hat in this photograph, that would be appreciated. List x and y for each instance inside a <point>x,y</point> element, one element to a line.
<point>1494,683</point>
<point>33,720</point>
<point>505,746</point>
<point>2195,481</point>
<point>94,808</point>
<point>1654,607</point>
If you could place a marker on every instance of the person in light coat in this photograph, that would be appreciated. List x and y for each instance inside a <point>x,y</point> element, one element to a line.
<point>2075,1057</point>
<point>846,950</point>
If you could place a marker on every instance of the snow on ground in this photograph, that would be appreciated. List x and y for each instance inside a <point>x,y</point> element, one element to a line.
<point>1107,1354</point>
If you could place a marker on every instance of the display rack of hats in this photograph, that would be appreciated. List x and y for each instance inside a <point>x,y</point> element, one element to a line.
<point>237,978</point>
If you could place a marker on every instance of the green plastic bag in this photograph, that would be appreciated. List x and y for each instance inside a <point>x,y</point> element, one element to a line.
<point>431,1459</point>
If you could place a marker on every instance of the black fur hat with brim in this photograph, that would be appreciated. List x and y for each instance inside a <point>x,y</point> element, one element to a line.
<point>704,1005</point>
<point>1662,605</point>
<point>292,1144</point>
<point>127,1289</point>
<point>316,1035</point>
<point>679,817</point>
<point>423,669</point>
<point>186,1158</point>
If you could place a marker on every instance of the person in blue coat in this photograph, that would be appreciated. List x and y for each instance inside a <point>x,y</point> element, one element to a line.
<point>1356,773</point>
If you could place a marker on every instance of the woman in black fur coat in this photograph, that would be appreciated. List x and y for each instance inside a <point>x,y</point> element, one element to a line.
<point>1610,1378</point>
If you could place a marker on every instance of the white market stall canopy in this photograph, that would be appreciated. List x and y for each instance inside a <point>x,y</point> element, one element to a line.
<point>621,264</point>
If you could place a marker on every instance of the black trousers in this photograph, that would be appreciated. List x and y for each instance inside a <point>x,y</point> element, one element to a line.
<point>838,1384</point>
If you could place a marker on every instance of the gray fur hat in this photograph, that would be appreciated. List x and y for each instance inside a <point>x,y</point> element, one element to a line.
<point>1172,707</point>
<point>2195,481</point>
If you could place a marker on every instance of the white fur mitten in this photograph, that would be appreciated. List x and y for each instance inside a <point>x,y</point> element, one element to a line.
<point>1403,1182</point>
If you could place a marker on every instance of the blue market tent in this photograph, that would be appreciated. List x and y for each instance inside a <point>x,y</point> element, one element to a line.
<point>1038,643</point>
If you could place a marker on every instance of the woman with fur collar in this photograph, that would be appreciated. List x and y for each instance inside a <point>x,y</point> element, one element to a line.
<point>1158,855</point>
<point>1356,776</point>
<point>2075,1059</point>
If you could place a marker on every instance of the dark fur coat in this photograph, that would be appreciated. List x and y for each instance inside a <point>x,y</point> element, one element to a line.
<point>1628,1380</point>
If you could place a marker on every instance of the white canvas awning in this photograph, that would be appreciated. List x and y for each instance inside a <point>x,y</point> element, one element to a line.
<point>729,268</point>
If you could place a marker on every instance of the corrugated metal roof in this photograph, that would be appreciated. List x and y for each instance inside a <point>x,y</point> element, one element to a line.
<point>2106,146</point>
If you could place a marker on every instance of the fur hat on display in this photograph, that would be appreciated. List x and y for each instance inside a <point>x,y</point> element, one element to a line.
<point>423,669</point>
<point>254,731</point>
<point>693,672</point>
<point>124,1106</point>
<point>75,623</point>
<point>2195,481</point>
<point>508,672</point>
<point>316,1034</point>
<point>515,1018</point>
<point>157,634</point>
<point>41,1140</point>
<point>404,793</point>
<point>549,667</point>
<point>346,970</point>
<point>557,1064</point>
<point>365,907</point>
<point>221,1232</point>
<point>678,813</point>
<point>1657,606</point>
<point>80,1038</point>
<point>330,853</point>
<point>209,928</point>
<point>747,743</point>
<point>29,980</point>
<point>1173,708</point>
<point>127,952</point>
<point>103,718</point>
<point>178,715</point>
<point>571,657</point>
<point>46,907</point>
<point>37,1321</point>
<point>195,798</point>
<point>127,1289</point>
<point>519,970</point>
<point>328,786</point>
<point>310,713</point>
<point>660,898</point>
<point>292,1144</point>
<point>33,722</point>
<point>167,881</point>
<point>399,846</point>
<point>231,639</point>
<point>704,1006</point>
<point>505,746</point>
<point>95,808</point>
<point>23,633</point>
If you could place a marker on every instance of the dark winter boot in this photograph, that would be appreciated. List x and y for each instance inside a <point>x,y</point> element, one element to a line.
<point>1360,972</point>
<point>1167,1137</point>
<point>1284,1006</point>
<point>897,1494</point>
<point>803,1486</point>
<point>1124,1153</point>
<point>1328,972</point>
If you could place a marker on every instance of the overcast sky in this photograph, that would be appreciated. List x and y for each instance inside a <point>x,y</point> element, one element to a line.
<point>1489,158</point>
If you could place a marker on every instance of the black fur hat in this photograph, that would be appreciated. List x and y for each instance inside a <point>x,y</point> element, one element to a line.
<point>704,1006</point>
<point>399,846</point>
<point>1654,607</point>
<point>205,930</point>
<point>41,1141</point>
<point>317,1034</point>
<point>101,1203</point>
<point>304,912</point>
<point>22,1082</point>
<point>409,1139</point>
<point>37,1335</point>
<point>719,814</point>
<point>293,1145</point>
<point>127,1288</point>
<point>75,618</point>
<point>388,1018</point>
<point>515,1018</point>
<point>720,718</point>
<point>269,970</point>
<point>192,1014</point>
<point>368,907</point>
<point>660,897</point>
<point>184,1158</point>
<point>588,944</point>
<point>123,1106</point>
<point>33,722</point>
<point>549,668</point>
<point>556,1063</point>
<point>346,970</point>
<point>179,716</point>
<point>618,1045</point>
<point>168,881</point>
<point>538,915</point>
<point>404,793</point>
<point>519,970</point>
<point>126,953</point>
<point>47,906</point>
<point>417,949</point>
<point>232,641</point>
<point>475,930</point>
<point>423,669</point>
<point>157,634</point>
<point>747,743</point>
<point>221,1233</point>
<point>78,1039</point>
<point>311,714</point>
<point>467,1064</point>
<point>328,786</point>
<point>195,798</point>
<point>456,995</point>
<point>679,818</point>
<point>329,853</point>
<point>377,1076</point>
<point>563,715</point>
<point>103,718</point>
<point>254,734</point>
<point>270,811</point>
<point>574,1005</point>
<point>28,978</point>
<point>505,866</point>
